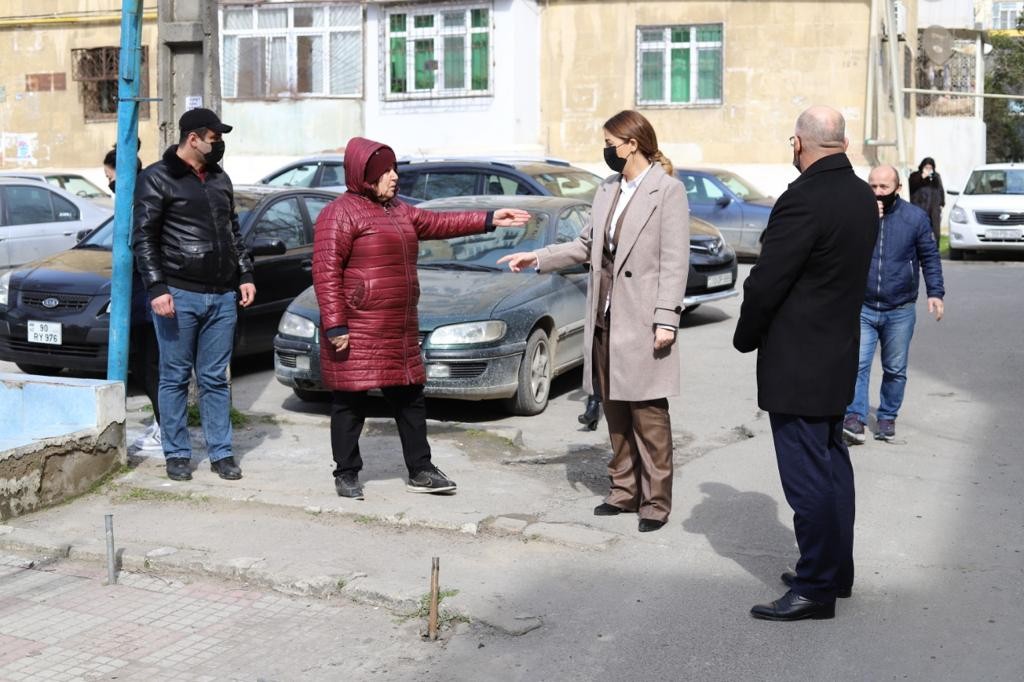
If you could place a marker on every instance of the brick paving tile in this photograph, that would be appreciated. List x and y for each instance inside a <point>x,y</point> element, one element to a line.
<point>63,623</point>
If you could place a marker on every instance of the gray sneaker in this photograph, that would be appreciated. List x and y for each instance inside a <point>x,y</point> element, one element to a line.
<point>886,430</point>
<point>347,485</point>
<point>430,480</point>
<point>853,430</point>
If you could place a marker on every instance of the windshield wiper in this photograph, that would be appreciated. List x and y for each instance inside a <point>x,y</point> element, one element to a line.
<point>469,267</point>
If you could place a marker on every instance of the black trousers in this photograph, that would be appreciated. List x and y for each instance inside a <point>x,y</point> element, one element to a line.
<point>348,414</point>
<point>817,478</point>
<point>144,363</point>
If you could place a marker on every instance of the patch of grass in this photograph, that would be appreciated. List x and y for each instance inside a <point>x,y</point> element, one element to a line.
<point>148,495</point>
<point>445,618</point>
<point>238,419</point>
<point>944,245</point>
<point>363,518</point>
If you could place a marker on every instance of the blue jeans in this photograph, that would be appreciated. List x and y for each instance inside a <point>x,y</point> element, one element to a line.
<point>893,329</point>
<point>200,336</point>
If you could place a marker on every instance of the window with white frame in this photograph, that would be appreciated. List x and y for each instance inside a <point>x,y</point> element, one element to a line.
<point>309,50</point>
<point>438,51</point>
<point>679,65</point>
<point>1006,14</point>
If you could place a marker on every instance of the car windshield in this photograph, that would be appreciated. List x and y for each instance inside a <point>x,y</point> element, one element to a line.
<point>76,185</point>
<point>100,238</point>
<point>484,249</point>
<point>996,182</point>
<point>577,184</point>
<point>741,188</point>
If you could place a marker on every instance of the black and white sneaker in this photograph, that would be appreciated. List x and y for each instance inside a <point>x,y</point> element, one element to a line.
<point>430,480</point>
<point>347,485</point>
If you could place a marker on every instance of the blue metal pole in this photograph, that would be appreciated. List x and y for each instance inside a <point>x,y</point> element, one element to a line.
<point>129,65</point>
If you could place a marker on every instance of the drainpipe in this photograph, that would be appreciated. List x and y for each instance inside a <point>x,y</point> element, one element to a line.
<point>897,85</point>
<point>128,68</point>
<point>869,105</point>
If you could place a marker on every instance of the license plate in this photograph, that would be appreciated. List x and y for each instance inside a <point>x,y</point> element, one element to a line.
<point>45,332</point>
<point>1002,234</point>
<point>719,280</point>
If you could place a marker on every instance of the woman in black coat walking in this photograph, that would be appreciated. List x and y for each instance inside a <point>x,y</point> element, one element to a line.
<point>926,192</point>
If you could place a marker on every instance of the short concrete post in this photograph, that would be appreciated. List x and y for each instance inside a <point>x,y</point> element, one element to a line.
<point>111,562</point>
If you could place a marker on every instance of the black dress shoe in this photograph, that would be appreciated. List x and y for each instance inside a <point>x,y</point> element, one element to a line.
<point>788,577</point>
<point>226,469</point>
<point>179,469</point>
<point>791,606</point>
<point>592,414</point>
<point>648,525</point>
<point>605,509</point>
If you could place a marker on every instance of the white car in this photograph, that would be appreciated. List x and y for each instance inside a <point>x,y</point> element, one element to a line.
<point>69,182</point>
<point>326,171</point>
<point>38,220</point>
<point>989,213</point>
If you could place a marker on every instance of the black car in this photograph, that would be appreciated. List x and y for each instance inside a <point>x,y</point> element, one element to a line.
<point>69,292</point>
<point>426,180</point>
<point>486,332</point>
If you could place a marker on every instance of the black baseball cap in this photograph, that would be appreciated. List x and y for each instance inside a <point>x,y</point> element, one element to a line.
<point>194,119</point>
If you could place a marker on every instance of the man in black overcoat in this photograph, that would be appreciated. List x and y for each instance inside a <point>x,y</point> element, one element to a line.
<point>801,313</point>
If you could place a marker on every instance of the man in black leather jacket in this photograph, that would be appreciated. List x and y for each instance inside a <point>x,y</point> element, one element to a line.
<point>190,255</point>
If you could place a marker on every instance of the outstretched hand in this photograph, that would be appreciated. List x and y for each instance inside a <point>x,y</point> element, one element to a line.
<point>519,261</point>
<point>511,217</point>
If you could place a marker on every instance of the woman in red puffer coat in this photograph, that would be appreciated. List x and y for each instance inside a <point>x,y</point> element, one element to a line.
<point>364,273</point>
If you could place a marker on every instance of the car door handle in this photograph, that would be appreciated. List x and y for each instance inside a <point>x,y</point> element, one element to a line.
<point>306,264</point>
<point>68,234</point>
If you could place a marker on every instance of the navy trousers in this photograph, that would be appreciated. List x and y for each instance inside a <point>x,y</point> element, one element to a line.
<point>817,478</point>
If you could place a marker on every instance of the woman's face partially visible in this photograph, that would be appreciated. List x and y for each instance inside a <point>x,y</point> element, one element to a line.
<point>110,173</point>
<point>387,186</point>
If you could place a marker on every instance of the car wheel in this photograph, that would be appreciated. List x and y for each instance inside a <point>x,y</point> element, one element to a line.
<point>534,376</point>
<point>41,370</point>
<point>956,254</point>
<point>308,396</point>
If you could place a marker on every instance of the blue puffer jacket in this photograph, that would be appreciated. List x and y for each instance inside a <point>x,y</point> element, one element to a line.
<point>905,246</point>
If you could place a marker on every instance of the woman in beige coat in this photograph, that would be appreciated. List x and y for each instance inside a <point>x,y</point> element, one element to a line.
<point>638,246</point>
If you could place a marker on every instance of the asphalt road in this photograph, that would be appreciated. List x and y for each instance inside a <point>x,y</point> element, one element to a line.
<point>940,530</point>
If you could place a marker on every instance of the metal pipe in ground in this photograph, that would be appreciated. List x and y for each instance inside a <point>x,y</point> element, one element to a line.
<point>435,572</point>
<point>108,520</point>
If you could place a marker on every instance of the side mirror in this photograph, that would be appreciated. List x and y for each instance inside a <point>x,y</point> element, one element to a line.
<point>81,234</point>
<point>268,246</point>
<point>954,192</point>
<point>722,202</point>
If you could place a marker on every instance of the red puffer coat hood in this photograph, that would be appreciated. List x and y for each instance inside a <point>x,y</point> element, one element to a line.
<point>357,153</point>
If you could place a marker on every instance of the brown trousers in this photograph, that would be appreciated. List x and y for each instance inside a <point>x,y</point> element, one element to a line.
<point>641,438</point>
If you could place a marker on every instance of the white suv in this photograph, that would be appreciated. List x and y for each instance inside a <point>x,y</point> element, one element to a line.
<point>989,214</point>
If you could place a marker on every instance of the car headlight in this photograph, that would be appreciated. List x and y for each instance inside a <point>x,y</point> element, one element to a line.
<point>958,215</point>
<point>296,325</point>
<point>468,333</point>
<point>5,287</point>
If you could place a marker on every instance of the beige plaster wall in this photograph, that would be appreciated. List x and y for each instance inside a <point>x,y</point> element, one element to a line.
<point>778,58</point>
<point>53,124</point>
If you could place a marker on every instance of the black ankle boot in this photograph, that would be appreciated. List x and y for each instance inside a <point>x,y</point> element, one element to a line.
<point>592,414</point>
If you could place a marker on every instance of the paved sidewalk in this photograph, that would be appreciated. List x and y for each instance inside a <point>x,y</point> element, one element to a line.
<point>63,623</point>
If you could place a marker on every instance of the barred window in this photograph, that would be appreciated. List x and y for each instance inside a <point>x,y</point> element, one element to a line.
<point>1006,14</point>
<point>308,50</point>
<point>95,69</point>
<point>438,51</point>
<point>679,65</point>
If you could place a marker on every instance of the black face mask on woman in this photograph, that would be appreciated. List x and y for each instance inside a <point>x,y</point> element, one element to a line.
<point>612,158</point>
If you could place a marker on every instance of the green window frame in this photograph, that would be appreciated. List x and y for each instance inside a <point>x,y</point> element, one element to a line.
<point>441,50</point>
<point>679,66</point>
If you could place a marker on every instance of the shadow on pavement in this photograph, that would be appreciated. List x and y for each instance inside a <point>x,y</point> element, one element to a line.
<point>743,527</point>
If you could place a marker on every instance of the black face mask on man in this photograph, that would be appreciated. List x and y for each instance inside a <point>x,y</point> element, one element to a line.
<point>216,152</point>
<point>888,200</point>
<point>612,158</point>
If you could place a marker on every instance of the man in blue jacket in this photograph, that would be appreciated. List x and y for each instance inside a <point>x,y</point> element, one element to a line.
<point>905,246</point>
